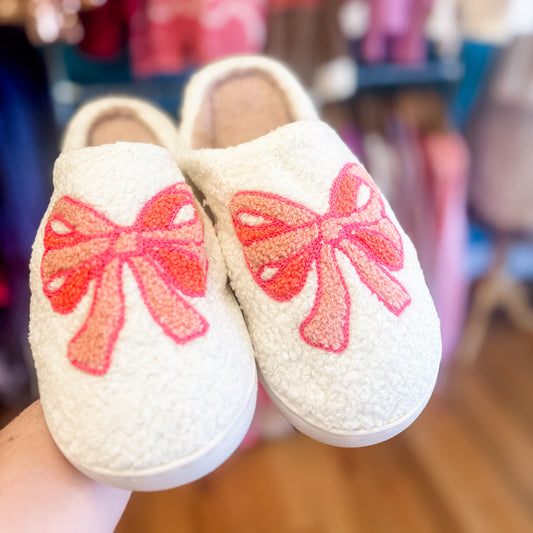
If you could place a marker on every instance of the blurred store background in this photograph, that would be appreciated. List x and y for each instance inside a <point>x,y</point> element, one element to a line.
<point>436,98</point>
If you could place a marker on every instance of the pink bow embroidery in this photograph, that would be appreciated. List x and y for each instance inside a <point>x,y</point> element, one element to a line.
<point>165,251</point>
<point>282,240</point>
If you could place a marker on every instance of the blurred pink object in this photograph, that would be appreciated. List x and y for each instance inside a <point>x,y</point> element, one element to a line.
<point>410,47</point>
<point>447,165</point>
<point>5,293</point>
<point>400,24</point>
<point>268,423</point>
<point>430,203</point>
<point>164,36</point>
<point>352,138</point>
<point>232,27</point>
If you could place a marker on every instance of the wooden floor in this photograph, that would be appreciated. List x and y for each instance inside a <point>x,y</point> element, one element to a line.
<point>466,465</point>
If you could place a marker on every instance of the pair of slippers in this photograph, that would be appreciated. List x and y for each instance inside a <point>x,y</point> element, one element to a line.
<point>146,362</point>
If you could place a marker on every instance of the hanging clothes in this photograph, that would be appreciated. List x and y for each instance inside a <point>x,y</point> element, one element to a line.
<point>485,20</point>
<point>447,163</point>
<point>232,27</point>
<point>396,31</point>
<point>422,166</point>
<point>501,191</point>
<point>105,29</point>
<point>164,36</point>
<point>305,34</point>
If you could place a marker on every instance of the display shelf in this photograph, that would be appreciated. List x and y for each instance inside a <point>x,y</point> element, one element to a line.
<point>389,75</point>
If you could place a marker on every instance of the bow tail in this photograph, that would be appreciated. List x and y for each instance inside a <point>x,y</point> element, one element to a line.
<point>91,348</point>
<point>177,318</point>
<point>388,290</point>
<point>326,326</point>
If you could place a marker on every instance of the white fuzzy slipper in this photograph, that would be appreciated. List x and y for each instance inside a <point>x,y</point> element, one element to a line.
<point>145,368</point>
<point>344,330</point>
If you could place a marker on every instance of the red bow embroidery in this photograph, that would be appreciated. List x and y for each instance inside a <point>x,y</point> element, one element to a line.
<point>283,239</point>
<point>165,251</point>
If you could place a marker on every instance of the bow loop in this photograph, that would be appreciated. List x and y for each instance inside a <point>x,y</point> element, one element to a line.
<point>160,211</point>
<point>258,215</point>
<point>278,236</point>
<point>71,222</point>
<point>165,250</point>
<point>75,237</point>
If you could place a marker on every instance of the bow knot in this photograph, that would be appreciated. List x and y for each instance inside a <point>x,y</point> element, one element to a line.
<point>166,258</point>
<point>282,240</point>
<point>127,243</point>
<point>331,228</point>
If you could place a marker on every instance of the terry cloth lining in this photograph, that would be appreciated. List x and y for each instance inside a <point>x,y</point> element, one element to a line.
<point>120,124</point>
<point>239,108</point>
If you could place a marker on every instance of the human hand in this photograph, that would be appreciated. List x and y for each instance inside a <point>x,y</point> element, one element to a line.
<point>41,491</point>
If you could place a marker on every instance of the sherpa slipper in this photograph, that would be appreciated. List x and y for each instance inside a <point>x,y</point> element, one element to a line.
<point>145,367</point>
<point>344,330</point>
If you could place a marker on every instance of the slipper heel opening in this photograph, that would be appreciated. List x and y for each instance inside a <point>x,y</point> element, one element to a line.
<point>120,124</point>
<point>246,104</point>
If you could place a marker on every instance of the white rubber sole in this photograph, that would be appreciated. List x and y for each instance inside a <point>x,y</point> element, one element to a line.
<point>186,469</point>
<point>346,439</point>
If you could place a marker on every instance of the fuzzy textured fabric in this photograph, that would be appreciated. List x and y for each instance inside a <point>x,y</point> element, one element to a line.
<point>344,329</point>
<point>133,120</point>
<point>175,392</point>
<point>391,361</point>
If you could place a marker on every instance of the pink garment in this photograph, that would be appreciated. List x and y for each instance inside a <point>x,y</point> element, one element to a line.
<point>232,27</point>
<point>351,136</point>
<point>447,164</point>
<point>410,47</point>
<point>400,24</point>
<point>430,203</point>
<point>411,199</point>
<point>164,36</point>
<point>167,36</point>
